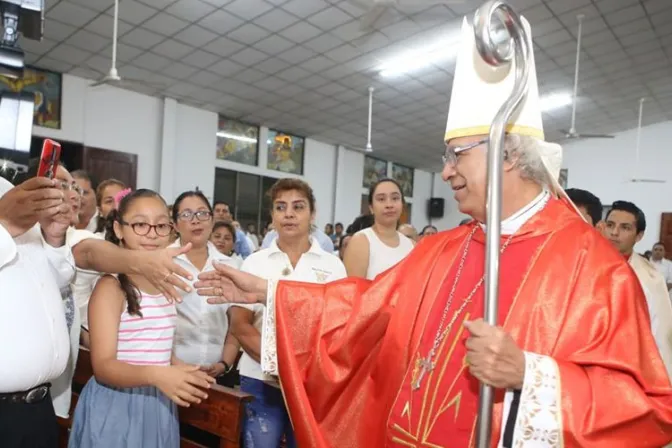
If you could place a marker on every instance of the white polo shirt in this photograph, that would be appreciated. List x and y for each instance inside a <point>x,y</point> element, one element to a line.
<point>314,266</point>
<point>201,327</point>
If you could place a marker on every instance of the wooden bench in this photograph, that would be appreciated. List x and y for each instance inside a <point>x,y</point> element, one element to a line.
<point>215,423</point>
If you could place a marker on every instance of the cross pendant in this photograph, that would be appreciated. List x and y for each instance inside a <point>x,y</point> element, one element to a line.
<point>426,365</point>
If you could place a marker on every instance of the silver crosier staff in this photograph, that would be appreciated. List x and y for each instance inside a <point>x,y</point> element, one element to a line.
<point>492,21</point>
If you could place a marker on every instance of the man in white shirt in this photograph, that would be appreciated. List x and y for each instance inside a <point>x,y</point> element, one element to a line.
<point>624,227</point>
<point>663,265</point>
<point>35,264</point>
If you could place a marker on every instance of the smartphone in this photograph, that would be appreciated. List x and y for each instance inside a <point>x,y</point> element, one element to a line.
<point>51,154</point>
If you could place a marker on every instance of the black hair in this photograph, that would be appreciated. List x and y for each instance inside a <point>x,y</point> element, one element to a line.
<point>185,195</point>
<point>587,200</point>
<point>428,226</point>
<point>81,174</point>
<point>338,224</point>
<point>216,203</point>
<point>629,207</point>
<point>659,243</point>
<point>360,223</point>
<point>372,189</point>
<point>131,292</point>
<point>228,226</point>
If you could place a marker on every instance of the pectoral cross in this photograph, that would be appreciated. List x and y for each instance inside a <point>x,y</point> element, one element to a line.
<point>425,365</point>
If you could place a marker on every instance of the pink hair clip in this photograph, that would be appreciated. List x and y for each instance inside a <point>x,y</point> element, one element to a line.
<point>121,195</point>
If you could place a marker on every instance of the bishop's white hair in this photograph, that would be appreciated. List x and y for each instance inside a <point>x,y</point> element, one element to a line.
<point>537,160</point>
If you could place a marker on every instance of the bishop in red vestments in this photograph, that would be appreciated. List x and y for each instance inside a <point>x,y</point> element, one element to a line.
<point>396,362</point>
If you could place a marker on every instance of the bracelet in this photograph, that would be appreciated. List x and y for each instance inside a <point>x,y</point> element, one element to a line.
<point>227,367</point>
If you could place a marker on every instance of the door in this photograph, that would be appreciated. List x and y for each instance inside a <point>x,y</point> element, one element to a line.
<point>666,233</point>
<point>104,164</point>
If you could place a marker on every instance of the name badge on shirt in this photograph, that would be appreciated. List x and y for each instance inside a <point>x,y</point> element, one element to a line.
<point>321,275</point>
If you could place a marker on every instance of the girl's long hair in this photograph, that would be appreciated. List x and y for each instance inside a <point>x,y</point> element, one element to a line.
<point>131,292</point>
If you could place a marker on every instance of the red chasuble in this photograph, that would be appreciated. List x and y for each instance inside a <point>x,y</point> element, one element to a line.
<point>442,411</point>
<point>347,351</point>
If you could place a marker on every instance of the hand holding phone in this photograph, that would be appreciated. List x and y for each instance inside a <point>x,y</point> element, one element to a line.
<point>51,155</point>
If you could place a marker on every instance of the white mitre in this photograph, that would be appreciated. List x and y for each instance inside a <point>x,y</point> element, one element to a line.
<point>480,90</point>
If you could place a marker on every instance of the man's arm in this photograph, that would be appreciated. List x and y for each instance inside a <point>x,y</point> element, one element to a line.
<point>604,385</point>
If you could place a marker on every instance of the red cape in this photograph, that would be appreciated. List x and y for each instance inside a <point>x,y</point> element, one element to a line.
<point>345,347</point>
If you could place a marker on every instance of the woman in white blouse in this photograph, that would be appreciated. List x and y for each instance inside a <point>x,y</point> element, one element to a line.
<point>202,336</point>
<point>381,246</point>
<point>293,255</point>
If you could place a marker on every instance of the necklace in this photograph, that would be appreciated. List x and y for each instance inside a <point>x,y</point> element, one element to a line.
<point>425,365</point>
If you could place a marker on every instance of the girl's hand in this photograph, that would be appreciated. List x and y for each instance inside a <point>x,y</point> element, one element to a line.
<point>182,383</point>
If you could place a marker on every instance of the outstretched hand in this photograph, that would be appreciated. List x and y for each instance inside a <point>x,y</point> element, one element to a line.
<point>229,285</point>
<point>160,268</point>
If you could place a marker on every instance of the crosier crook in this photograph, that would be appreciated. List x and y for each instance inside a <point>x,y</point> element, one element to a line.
<point>518,48</point>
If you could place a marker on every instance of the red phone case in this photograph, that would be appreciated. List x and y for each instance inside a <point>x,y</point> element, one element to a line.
<point>51,154</point>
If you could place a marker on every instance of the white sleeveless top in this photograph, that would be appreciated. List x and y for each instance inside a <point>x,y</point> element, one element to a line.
<point>147,340</point>
<point>381,256</point>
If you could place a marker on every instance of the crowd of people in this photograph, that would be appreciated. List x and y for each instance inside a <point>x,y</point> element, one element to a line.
<point>370,336</point>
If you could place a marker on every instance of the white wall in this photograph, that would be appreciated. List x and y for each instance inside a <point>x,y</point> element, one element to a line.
<point>605,167</point>
<point>319,167</point>
<point>176,145</point>
<point>110,118</point>
<point>451,215</point>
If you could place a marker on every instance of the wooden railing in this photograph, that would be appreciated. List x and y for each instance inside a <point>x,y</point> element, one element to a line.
<point>215,423</point>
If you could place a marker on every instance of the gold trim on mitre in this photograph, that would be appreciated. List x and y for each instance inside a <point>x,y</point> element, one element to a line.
<point>485,130</point>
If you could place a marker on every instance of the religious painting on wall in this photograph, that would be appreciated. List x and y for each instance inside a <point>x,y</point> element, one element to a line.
<point>237,141</point>
<point>374,170</point>
<point>47,87</point>
<point>403,175</point>
<point>562,180</point>
<point>285,152</point>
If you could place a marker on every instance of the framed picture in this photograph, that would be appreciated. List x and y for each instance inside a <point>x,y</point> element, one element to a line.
<point>374,170</point>
<point>285,152</point>
<point>237,141</point>
<point>47,87</point>
<point>404,175</point>
<point>563,177</point>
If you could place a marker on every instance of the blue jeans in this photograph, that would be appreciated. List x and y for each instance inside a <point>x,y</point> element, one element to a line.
<point>266,419</point>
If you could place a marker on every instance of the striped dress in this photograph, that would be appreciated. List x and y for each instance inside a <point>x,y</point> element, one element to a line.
<point>114,417</point>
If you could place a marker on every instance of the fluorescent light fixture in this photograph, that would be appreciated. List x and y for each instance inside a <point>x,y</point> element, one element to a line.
<point>555,101</point>
<point>240,138</point>
<point>419,58</point>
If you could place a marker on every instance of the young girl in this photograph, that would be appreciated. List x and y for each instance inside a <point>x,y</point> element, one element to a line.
<point>127,404</point>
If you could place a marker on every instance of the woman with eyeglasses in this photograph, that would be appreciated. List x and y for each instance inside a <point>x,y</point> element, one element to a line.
<point>202,336</point>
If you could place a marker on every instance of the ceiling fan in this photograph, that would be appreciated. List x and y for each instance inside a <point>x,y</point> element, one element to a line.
<point>636,179</point>
<point>112,77</point>
<point>572,133</point>
<point>369,147</point>
<point>375,9</point>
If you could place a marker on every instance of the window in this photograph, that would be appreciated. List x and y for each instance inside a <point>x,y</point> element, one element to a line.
<point>246,196</point>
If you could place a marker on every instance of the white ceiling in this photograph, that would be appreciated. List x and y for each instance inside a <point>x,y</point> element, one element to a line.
<point>302,66</point>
